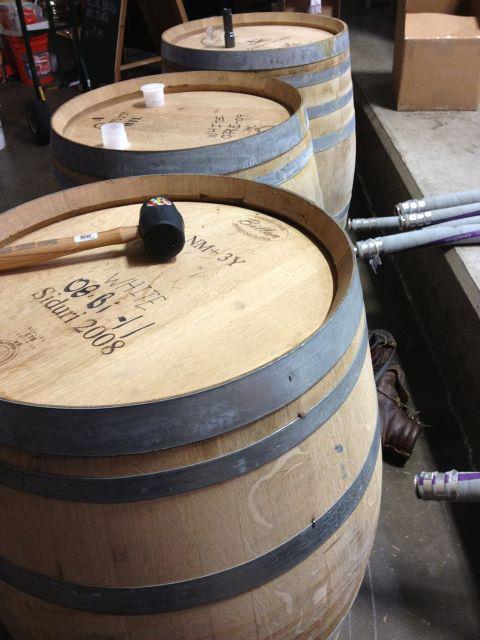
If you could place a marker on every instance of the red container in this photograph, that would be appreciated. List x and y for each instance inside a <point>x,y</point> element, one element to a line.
<point>41,56</point>
<point>9,18</point>
<point>29,13</point>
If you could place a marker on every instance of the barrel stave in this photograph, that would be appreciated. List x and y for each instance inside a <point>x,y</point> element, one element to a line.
<point>213,528</point>
<point>323,586</point>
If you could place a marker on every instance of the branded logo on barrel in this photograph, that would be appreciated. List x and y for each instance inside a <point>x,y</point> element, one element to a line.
<point>260,227</point>
<point>8,350</point>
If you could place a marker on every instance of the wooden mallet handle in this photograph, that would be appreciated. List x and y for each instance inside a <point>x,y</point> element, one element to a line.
<point>31,253</point>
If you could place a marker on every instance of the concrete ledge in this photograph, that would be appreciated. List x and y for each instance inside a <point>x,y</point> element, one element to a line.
<point>405,155</point>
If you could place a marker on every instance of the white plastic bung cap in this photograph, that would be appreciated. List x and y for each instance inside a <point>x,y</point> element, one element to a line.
<point>114,136</point>
<point>315,6</point>
<point>2,137</point>
<point>153,94</point>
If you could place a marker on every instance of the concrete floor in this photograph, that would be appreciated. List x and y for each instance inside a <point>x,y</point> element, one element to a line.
<point>422,581</point>
<point>24,166</point>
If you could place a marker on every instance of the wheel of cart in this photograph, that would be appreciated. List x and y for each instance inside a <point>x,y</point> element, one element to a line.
<point>37,111</point>
<point>38,120</point>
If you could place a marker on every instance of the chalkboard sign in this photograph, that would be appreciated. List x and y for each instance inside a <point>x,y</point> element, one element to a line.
<point>103,31</point>
<point>101,23</point>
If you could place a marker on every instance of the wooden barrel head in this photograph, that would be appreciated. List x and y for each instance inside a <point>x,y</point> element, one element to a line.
<point>136,356</point>
<point>252,37</point>
<point>201,109</point>
<point>246,289</point>
<point>189,119</point>
<point>213,123</point>
<point>310,52</point>
<point>262,41</point>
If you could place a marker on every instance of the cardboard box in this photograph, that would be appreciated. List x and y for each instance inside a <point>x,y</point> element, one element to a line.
<point>437,55</point>
<point>456,7</point>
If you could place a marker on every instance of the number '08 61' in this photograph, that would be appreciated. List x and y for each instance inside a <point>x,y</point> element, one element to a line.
<point>90,329</point>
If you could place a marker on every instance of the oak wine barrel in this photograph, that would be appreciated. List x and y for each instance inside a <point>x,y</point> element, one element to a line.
<point>311,52</point>
<point>211,123</point>
<point>188,449</point>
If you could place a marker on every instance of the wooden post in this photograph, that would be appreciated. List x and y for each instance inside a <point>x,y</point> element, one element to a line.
<point>165,15</point>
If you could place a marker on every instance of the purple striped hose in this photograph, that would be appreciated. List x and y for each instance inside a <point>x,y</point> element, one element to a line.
<point>452,486</point>
<point>406,221</point>
<point>373,248</point>
<point>429,203</point>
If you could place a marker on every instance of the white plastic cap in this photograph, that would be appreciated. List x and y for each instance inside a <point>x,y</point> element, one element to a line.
<point>114,136</point>
<point>315,6</point>
<point>153,94</point>
<point>3,142</point>
<point>209,35</point>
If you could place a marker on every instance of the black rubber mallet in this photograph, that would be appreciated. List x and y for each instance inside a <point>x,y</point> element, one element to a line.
<point>160,227</point>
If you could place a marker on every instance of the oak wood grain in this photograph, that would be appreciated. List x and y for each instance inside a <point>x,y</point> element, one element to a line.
<point>304,272</point>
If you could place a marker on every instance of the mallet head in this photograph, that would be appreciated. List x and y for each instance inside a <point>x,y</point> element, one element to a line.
<point>161,228</point>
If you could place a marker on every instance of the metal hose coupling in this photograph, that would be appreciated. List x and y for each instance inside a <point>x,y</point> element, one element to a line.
<point>451,486</point>
<point>362,224</point>
<point>410,206</point>
<point>414,220</point>
<point>440,201</point>
<point>403,221</point>
<point>370,250</point>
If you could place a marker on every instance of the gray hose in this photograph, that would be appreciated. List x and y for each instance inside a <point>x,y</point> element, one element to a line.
<point>442,215</point>
<point>429,203</point>
<point>407,221</point>
<point>453,486</point>
<point>460,222</point>
<point>436,235</point>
